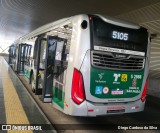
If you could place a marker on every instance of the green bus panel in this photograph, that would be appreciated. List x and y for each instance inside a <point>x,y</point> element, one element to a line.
<point>115,84</point>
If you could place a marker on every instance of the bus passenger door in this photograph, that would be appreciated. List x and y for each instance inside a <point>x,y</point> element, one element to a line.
<point>49,65</point>
<point>27,61</point>
<point>22,58</point>
<point>28,53</point>
<point>39,65</point>
<point>60,67</point>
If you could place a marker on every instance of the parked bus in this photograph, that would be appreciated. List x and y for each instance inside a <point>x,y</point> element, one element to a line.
<point>87,65</point>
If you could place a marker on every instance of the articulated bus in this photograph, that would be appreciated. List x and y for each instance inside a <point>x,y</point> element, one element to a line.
<point>87,65</point>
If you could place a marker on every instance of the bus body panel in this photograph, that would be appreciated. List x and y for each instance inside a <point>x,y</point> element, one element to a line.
<point>80,41</point>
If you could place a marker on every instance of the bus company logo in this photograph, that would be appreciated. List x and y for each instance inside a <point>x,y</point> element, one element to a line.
<point>134,82</point>
<point>101,76</point>
<point>116,76</point>
<point>117,92</point>
<point>98,90</point>
<point>124,77</point>
<point>120,55</point>
<point>105,90</point>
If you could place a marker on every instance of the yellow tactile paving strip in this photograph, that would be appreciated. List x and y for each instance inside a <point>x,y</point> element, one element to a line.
<point>15,113</point>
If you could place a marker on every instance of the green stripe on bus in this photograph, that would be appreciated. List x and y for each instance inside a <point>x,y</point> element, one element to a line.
<point>58,97</point>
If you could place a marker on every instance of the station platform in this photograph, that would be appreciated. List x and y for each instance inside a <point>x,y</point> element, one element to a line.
<point>17,107</point>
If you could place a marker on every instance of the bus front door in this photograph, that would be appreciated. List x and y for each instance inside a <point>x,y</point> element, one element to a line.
<point>23,49</point>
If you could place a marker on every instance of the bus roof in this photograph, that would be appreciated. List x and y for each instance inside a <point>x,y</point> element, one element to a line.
<point>50,26</point>
<point>119,22</point>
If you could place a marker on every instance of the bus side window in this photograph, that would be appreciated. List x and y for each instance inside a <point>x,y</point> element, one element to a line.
<point>58,59</point>
<point>62,52</point>
<point>35,52</point>
<point>43,54</point>
<point>65,54</point>
<point>59,51</point>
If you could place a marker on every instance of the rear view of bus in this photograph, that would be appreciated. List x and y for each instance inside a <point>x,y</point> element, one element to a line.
<point>113,77</point>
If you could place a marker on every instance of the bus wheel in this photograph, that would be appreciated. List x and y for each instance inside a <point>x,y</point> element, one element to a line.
<point>32,83</point>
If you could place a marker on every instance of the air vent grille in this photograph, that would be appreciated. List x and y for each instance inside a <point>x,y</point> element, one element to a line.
<point>106,60</point>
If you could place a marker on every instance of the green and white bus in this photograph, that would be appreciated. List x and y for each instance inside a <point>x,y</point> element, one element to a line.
<point>88,65</point>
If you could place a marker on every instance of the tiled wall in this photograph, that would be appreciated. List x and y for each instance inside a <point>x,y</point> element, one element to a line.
<point>149,17</point>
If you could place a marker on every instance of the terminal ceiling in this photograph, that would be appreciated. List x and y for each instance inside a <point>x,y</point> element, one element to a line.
<point>19,17</point>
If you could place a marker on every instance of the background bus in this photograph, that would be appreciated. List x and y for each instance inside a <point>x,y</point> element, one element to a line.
<point>89,65</point>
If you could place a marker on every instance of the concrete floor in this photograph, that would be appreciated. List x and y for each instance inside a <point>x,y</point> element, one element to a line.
<point>16,105</point>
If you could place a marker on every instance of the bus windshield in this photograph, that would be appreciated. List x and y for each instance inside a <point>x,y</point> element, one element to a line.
<point>109,35</point>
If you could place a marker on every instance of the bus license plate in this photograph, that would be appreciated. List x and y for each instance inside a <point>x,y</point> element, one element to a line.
<point>116,109</point>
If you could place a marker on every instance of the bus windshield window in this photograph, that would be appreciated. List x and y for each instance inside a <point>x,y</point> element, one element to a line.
<point>109,35</point>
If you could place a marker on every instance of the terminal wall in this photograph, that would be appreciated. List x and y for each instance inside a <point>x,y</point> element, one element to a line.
<point>149,17</point>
